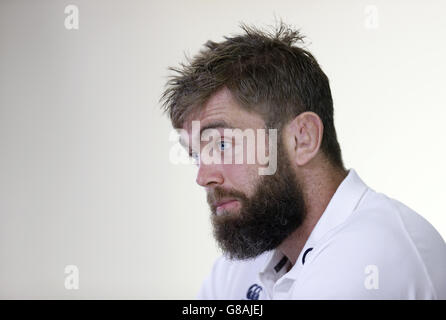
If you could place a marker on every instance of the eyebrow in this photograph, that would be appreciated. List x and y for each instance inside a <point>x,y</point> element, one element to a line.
<point>216,125</point>
<point>212,125</point>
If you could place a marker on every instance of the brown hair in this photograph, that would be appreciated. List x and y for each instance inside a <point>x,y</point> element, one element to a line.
<point>266,72</point>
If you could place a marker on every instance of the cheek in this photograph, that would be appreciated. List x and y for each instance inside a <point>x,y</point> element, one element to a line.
<point>242,177</point>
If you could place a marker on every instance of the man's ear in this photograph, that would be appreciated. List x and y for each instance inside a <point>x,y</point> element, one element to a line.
<point>304,137</point>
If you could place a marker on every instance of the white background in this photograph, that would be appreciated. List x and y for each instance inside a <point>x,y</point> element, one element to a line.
<point>85,177</point>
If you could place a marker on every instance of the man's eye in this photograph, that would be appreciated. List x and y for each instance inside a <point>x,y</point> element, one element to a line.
<point>195,157</point>
<point>223,145</point>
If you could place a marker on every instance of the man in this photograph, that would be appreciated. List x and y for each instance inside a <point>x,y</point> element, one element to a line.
<point>307,228</point>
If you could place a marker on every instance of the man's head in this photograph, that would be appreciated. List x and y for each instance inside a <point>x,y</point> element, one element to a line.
<point>256,81</point>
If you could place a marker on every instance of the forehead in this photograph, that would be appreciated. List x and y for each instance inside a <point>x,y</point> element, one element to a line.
<point>222,106</point>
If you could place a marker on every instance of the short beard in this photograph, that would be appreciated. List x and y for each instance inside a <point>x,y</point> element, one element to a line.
<point>264,220</point>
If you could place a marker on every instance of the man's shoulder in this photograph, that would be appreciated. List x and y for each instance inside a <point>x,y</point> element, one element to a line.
<point>384,221</point>
<point>388,237</point>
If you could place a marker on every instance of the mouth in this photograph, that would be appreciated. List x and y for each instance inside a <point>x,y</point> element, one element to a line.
<point>225,205</point>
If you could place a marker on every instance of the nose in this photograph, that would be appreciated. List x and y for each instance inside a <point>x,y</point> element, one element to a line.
<point>209,175</point>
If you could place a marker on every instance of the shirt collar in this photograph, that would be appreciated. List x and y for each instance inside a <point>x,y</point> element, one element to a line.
<point>342,204</point>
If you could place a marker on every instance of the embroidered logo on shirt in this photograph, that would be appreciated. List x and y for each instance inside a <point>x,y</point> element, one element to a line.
<point>253,292</point>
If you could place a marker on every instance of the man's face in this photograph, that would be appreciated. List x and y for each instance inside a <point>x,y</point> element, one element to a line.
<point>251,213</point>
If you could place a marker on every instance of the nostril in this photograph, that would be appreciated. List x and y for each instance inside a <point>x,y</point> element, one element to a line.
<point>208,176</point>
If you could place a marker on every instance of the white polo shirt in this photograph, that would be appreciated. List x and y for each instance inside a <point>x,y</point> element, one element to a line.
<point>365,246</point>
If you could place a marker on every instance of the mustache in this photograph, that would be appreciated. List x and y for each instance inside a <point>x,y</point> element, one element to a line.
<point>218,193</point>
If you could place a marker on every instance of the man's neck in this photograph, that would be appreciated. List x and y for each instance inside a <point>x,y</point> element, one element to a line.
<point>318,191</point>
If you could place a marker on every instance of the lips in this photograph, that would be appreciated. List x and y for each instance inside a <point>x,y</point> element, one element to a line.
<point>225,204</point>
